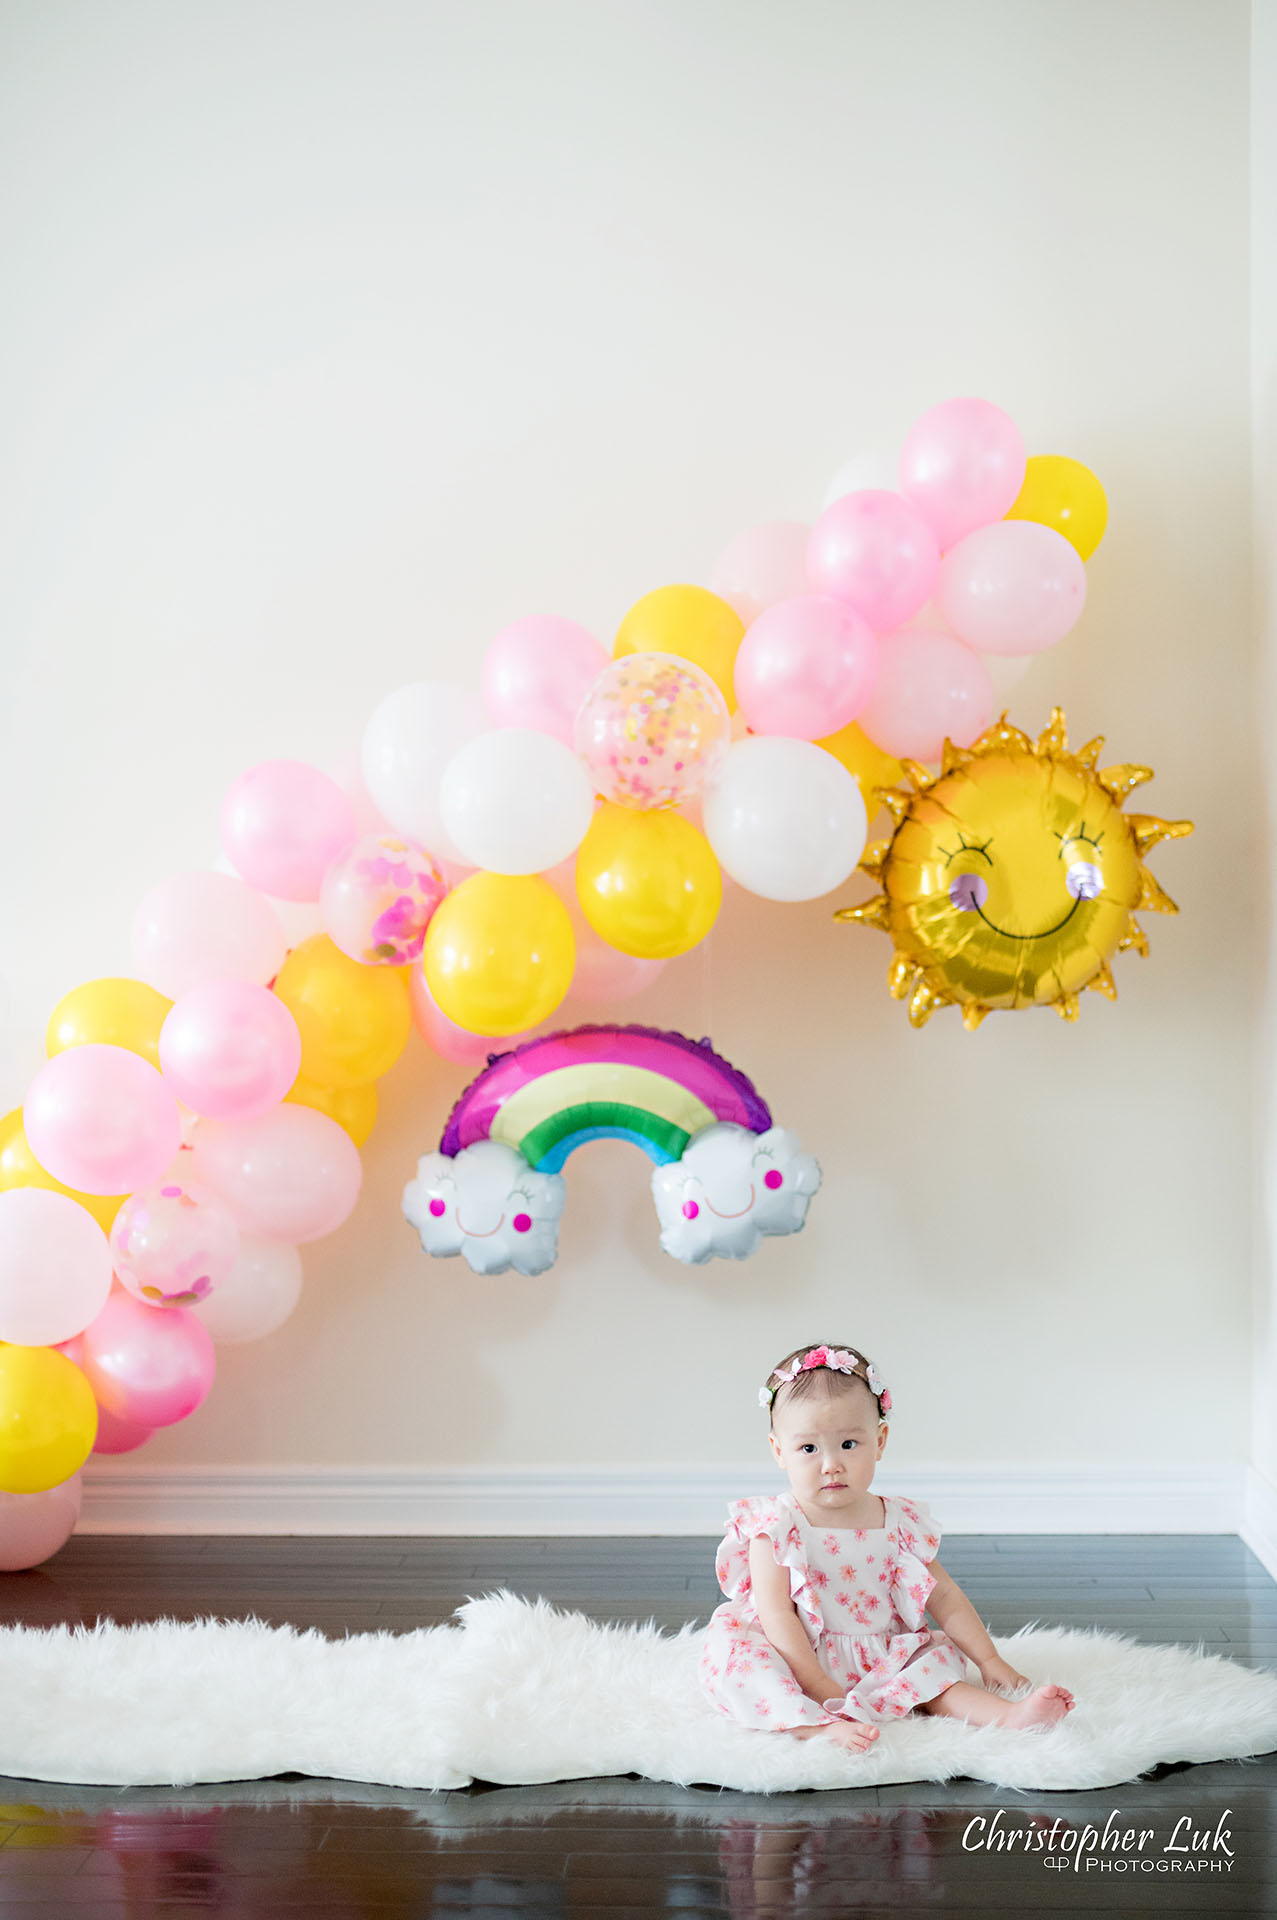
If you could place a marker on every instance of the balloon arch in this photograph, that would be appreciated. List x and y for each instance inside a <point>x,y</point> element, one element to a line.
<point>193,1126</point>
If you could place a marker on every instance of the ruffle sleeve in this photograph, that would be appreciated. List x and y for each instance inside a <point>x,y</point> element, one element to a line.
<point>916,1533</point>
<point>774,1518</point>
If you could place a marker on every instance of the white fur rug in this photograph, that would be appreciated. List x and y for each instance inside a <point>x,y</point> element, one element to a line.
<point>520,1693</point>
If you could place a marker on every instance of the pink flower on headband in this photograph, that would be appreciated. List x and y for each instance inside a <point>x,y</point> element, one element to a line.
<point>838,1360</point>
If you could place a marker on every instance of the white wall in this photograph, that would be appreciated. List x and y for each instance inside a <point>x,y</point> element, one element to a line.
<point>338,336</point>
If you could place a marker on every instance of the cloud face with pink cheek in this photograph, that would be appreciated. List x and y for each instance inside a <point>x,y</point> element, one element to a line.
<point>730,1188</point>
<point>488,1205</point>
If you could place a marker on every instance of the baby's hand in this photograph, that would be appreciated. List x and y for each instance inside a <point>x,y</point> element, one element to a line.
<point>1001,1677</point>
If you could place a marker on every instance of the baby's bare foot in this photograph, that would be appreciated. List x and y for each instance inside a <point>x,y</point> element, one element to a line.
<point>855,1735</point>
<point>1041,1708</point>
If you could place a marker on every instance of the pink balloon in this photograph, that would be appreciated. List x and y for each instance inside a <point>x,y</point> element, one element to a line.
<point>148,1368</point>
<point>930,688</point>
<point>34,1525</point>
<point>206,926</point>
<point>443,1036</point>
<point>282,824</point>
<point>173,1243</point>
<point>876,552</point>
<point>537,672</point>
<point>230,1049</point>
<point>55,1267</point>
<point>601,974</point>
<point>805,667</point>
<point>119,1436</point>
<point>100,1119</point>
<point>764,564</point>
<point>1016,587</point>
<point>292,1174</point>
<point>962,465</point>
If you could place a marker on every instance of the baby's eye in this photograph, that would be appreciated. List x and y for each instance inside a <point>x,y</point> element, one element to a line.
<point>851,1443</point>
<point>808,1446</point>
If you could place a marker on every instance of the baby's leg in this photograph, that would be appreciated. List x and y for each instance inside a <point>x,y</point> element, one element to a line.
<point>962,1701</point>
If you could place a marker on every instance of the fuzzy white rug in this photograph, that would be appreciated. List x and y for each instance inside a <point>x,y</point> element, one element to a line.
<point>521,1692</point>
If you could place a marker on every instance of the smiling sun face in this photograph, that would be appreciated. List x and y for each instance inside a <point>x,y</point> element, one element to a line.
<point>1013,876</point>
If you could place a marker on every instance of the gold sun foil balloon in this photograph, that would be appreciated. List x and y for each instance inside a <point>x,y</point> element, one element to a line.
<point>1013,876</point>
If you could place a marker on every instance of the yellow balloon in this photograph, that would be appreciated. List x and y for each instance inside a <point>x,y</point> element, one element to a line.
<point>111,1013</point>
<point>354,1020</point>
<point>868,765</point>
<point>647,881</point>
<point>48,1419</point>
<point>1063,494</point>
<point>691,622</point>
<point>499,953</point>
<point>20,1168</point>
<point>354,1108</point>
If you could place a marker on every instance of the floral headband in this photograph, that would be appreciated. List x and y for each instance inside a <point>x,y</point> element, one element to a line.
<point>837,1360</point>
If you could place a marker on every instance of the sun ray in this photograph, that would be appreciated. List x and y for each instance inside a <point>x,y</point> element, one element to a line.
<point>870,913</point>
<point>1087,756</point>
<point>895,800</point>
<point>1119,781</point>
<point>924,1000</point>
<point>1000,738</point>
<point>1136,937</point>
<point>917,775</point>
<point>952,758</point>
<point>872,858</point>
<point>1153,899</point>
<point>1053,739</point>
<point>1149,830</point>
<point>972,1014</point>
<point>900,977</point>
<point>1066,1006</point>
<point>1103,983</point>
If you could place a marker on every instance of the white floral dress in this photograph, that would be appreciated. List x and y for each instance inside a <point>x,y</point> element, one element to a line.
<point>861,1594</point>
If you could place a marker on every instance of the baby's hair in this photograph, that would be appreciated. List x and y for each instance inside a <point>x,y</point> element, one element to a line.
<point>804,1383</point>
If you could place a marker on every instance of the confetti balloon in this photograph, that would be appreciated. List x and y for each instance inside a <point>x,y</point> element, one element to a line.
<point>653,730</point>
<point>173,1243</point>
<point>376,900</point>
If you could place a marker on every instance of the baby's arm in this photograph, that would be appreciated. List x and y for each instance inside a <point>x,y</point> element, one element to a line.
<point>955,1615</point>
<point>778,1618</point>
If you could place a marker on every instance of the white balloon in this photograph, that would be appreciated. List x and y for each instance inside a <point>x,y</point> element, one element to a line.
<point>55,1267</point>
<point>407,744</point>
<point>863,470</point>
<point>761,566</point>
<point>786,819</point>
<point>515,801</point>
<point>257,1295</point>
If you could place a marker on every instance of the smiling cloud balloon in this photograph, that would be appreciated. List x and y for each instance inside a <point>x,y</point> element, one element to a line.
<point>731,1187</point>
<point>489,1205</point>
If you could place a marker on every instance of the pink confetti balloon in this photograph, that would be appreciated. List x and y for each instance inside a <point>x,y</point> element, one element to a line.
<point>173,1243</point>
<point>292,1174</point>
<point>283,823</point>
<point>151,1369</point>
<point>930,688</point>
<point>1013,588</point>
<point>119,1436</point>
<point>230,1049</point>
<point>805,667</point>
<point>378,899</point>
<point>55,1267</point>
<point>537,672</point>
<point>100,1119</point>
<point>877,553</point>
<point>34,1525</point>
<point>962,465</point>
<point>653,730</point>
<point>443,1036</point>
<point>259,1294</point>
<point>206,926</point>
<point>764,564</point>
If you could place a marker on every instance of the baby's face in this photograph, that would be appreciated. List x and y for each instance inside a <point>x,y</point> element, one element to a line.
<point>829,1444</point>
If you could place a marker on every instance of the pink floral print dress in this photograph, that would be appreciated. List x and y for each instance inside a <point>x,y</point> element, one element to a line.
<point>861,1594</point>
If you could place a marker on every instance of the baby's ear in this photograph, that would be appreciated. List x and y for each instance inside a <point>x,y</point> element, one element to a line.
<point>774,1444</point>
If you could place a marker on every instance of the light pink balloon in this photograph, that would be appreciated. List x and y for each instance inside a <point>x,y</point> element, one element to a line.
<point>100,1119</point>
<point>292,1174</point>
<point>146,1367</point>
<point>764,564</point>
<point>601,975</point>
<point>805,667</point>
<point>257,1296</point>
<point>443,1036</point>
<point>962,465</point>
<point>930,688</point>
<point>230,1049</point>
<point>1016,587</point>
<point>34,1525</point>
<point>877,553</point>
<point>119,1436</point>
<point>283,822</point>
<point>206,926</point>
<point>537,672</point>
<point>55,1267</point>
<point>175,1242</point>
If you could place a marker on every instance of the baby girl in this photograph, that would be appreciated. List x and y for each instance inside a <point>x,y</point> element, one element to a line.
<point>828,1586</point>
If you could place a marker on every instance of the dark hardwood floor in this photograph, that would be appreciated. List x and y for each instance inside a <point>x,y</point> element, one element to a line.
<point>623,1848</point>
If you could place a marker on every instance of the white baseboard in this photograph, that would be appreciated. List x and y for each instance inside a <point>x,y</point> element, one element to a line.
<point>124,1498</point>
<point>1259,1520</point>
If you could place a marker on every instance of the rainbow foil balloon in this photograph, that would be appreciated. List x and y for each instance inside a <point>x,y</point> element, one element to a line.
<point>724,1175</point>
